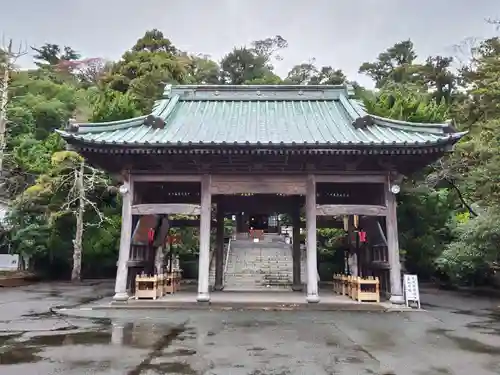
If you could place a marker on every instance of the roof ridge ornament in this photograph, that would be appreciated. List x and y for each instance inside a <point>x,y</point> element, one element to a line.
<point>155,122</point>
<point>167,91</point>
<point>350,90</point>
<point>363,122</point>
<point>72,125</point>
<point>450,127</point>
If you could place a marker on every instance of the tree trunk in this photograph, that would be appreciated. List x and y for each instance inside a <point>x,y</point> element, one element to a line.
<point>4,97</point>
<point>76,274</point>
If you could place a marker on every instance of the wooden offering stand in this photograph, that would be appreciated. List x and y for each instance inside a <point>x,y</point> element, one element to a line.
<point>358,288</point>
<point>148,286</point>
<point>156,286</point>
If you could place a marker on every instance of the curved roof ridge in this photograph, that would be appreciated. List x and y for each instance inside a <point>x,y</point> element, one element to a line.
<point>429,127</point>
<point>162,109</point>
<point>257,87</point>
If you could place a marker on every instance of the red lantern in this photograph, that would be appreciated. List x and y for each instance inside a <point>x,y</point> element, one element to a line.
<point>151,235</point>
<point>173,239</point>
<point>362,236</point>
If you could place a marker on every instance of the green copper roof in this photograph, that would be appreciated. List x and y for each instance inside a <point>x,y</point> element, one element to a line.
<point>259,115</point>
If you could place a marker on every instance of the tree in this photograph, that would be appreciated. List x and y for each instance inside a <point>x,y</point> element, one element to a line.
<point>302,74</point>
<point>242,65</point>
<point>88,71</point>
<point>200,69</point>
<point>52,55</point>
<point>268,48</point>
<point>395,64</point>
<point>8,58</point>
<point>70,188</point>
<point>407,102</point>
<point>144,70</point>
<point>437,75</point>
<point>308,74</point>
<point>252,65</point>
<point>110,105</point>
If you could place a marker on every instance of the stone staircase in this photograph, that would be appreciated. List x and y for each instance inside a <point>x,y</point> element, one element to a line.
<point>263,265</point>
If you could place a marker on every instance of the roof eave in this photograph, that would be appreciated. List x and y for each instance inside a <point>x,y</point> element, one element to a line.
<point>451,139</point>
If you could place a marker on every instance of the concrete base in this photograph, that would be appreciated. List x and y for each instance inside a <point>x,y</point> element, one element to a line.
<point>312,298</point>
<point>249,301</point>
<point>397,300</point>
<point>122,297</point>
<point>203,297</point>
<point>218,288</point>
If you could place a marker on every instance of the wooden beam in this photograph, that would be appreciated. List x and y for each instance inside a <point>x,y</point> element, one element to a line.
<point>258,184</point>
<point>166,209</point>
<point>141,177</point>
<point>181,223</point>
<point>325,222</point>
<point>358,177</point>
<point>350,209</point>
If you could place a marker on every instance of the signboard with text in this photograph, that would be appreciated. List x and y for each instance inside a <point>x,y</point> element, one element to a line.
<point>9,262</point>
<point>411,290</point>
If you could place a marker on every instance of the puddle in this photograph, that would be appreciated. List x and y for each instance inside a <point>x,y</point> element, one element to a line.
<point>184,352</point>
<point>253,324</point>
<point>466,343</point>
<point>474,346</point>
<point>257,349</point>
<point>17,355</point>
<point>490,325</point>
<point>89,365</point>
<point>38,315</point>
<point>352,360</point>
<point>439,331</point>
<point>157,352</point>
<point>486,327</point>
<point>75,338</point>
<point>172,368</point>
<point>5,338</point>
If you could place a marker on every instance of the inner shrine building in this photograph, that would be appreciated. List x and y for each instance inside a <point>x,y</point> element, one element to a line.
<point>248,148</point>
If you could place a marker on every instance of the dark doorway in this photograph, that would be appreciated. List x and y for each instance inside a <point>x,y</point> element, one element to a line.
<point>259,222</point>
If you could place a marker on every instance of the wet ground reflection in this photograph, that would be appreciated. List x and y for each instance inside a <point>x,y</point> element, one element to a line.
<point>256,343</point>
<point>154,338</point>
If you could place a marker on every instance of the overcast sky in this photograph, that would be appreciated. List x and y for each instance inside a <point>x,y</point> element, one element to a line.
<point>340,33</point>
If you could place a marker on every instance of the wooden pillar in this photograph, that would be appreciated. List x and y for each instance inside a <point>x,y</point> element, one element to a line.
<point>393,248</point>
<point>219,251</point>
<point>160,244</point>
<point>127,191</point>
<point>240,225</point>
<point>353,257</point>
<point>312,264</point>
<point>297,282</point>
<point>245,222</point>
<point>204,257</point>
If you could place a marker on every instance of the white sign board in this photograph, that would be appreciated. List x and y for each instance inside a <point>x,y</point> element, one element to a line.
<point>412,293</point>
<point>9,262</point>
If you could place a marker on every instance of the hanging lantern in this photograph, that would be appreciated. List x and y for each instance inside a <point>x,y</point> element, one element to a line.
<point>362,236</point>
<point>356,221</point>
<point>151,236</point>
<point>173,239</point>
<point>346,222</point>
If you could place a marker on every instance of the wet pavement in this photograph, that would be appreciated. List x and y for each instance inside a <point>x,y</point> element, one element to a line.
<point>458,334</point>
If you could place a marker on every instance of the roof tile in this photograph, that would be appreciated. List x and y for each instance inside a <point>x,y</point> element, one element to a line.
<point>321,115</point>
